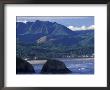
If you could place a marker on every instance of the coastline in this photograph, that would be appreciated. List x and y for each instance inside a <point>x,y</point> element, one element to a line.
<point>37,61</point>
<point>44,61</point>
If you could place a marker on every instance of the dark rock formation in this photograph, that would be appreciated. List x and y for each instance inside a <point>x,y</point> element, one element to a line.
<point>54,67</point>
<point>23,67</point>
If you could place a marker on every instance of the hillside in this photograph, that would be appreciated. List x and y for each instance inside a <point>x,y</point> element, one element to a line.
<point>45,39</point>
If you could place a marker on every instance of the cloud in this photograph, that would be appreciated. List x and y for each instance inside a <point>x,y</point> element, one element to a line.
<point>91,27</point>
<point>23,21</point>
<point>75,28</point>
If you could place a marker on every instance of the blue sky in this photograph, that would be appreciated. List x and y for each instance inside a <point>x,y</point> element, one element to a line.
<point>73,22</point>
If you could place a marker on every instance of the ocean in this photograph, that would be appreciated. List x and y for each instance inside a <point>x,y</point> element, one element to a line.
<point>76,65</point>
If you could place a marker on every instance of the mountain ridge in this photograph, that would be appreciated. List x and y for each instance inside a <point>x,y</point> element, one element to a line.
<point>52,37</point>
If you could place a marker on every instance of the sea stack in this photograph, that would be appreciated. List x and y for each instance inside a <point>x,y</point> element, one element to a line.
<point>23,67</point>
<point>55,67</point>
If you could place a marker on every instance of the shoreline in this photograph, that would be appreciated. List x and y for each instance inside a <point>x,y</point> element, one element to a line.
<point>37,61</point>
<point>44,61</point>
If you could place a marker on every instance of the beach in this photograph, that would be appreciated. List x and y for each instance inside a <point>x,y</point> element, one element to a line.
<point>37,61</point>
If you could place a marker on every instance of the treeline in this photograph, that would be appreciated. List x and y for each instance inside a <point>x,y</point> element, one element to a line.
<point>39,52</point>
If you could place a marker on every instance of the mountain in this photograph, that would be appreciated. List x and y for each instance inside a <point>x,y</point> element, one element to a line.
<point>40,37</point>
<point>31,31</point>
<point>44,27</point>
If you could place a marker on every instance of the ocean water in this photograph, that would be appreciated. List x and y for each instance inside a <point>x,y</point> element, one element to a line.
<point>76,65</point>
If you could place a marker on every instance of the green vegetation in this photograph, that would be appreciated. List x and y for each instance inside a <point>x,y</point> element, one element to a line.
<point>44,39</point>
<point>52,51</point>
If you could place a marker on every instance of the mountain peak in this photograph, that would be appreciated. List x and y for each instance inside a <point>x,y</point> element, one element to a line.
<point>42,27</point>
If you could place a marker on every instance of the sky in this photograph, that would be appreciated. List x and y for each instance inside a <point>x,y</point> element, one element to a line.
<point>71,22</point>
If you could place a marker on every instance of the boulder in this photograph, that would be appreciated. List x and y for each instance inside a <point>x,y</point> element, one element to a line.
<point>55,67</point>
<point>23,67</point>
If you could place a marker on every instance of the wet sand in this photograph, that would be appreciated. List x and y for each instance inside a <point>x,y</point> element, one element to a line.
<point>60,59</point>
<point>37,61</point>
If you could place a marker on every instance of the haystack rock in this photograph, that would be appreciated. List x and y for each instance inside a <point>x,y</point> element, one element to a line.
<point>23,67</point>
<point>55,67</point>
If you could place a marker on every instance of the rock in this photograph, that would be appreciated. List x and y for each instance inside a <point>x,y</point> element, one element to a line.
<point>42,40</point>
<point>23,67</point>
<point>55,67</point>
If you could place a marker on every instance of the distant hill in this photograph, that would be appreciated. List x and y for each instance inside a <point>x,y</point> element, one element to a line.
<point>51,37</point>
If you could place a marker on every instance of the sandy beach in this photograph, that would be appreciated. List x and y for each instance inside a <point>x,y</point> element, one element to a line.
<point>37,61</point>
<point>63,59</point>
